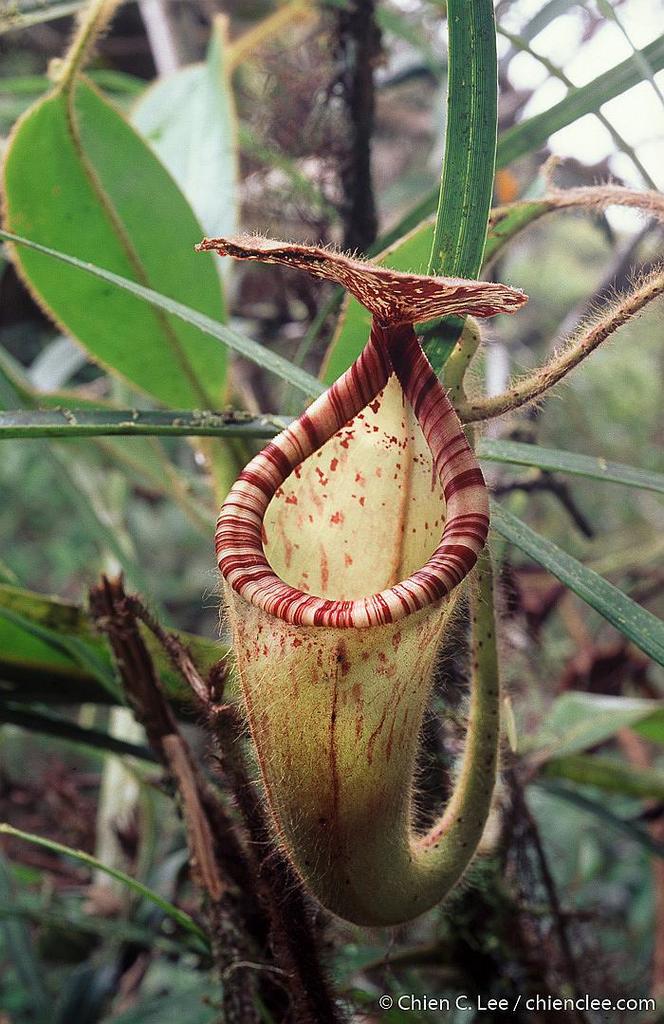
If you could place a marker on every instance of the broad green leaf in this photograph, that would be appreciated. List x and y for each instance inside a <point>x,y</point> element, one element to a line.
<point>189,119</point>
<point>36,664</point>
<point>78,178</point>
<point>239,343</point>
<point>577,721</point>
<point>179,916</point>
<point>638,625</point>
<point>554,460</point>
<point>610,776</point>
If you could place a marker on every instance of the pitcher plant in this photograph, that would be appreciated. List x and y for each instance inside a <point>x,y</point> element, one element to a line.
<point>342,548</point>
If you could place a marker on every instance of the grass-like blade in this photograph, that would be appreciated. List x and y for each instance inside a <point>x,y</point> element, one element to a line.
<point>83,655</point>
<point>556,461</point>
<point>529,135</point>
<point>239,343</point>
<point>19,948</point>
<point>73,422</point>
<point>14,18</point>
<point>607,775</point>
<point>532,133</point>
<point>49,723</point>
<point>633,621</point>
<point>584,803</point>
<point>138,888</point>
<point>466,186</point>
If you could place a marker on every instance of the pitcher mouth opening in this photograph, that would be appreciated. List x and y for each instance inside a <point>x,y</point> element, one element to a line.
<point>240,539</point>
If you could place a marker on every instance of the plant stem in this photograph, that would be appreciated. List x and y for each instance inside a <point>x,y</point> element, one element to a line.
<point>93,20</point>
<point>359,44</point>
<point>530,387</point>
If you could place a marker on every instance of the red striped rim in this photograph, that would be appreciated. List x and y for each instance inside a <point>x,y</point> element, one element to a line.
<point>239,534</point>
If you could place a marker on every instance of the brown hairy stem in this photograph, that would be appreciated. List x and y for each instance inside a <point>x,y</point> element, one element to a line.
<point>114,616</point>
<point>530,387</point>
<point>288,932</point>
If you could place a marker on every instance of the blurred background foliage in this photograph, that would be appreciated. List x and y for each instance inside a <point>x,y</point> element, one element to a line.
<point>253,109</point>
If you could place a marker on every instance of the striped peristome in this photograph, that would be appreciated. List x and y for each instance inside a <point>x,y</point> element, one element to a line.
<point>396,301</point>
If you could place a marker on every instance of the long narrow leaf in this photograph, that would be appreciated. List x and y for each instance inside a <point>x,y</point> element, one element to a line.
<point>15,18</point>
<point>607,775</point>
<point>244,346</point>
<point>48,723</point>
<point>529,135</point>
<point>21,951</point>
<point>73,422</point>
<point>138,888</point>
<point>466,186</point>
<point>634,622</point>
<point>584,803</point>
<point>553,460</point>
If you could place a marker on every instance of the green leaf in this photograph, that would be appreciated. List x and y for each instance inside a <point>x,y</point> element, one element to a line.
<point>78,178</point>
<point>633,832</point>
<point>138,888</point>
<point>195,1007</point>
<point>145,458</point>
<point>607,775</point>
<point>82,654</point>
<point>34,666</point>
<point>60,916</point>
<point>529,135</point>
<point>634,622</point>
<point>74,422</point>
<point>189,119</point>
<point>244,346</point>
<point>73,479</point>
<point>110,81</point>
<point>49,723</point>
<point>466,187</point>
<point>534,132</point>
<point>21,951</point>
<point>577,721</point>
<point>554,460</point>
